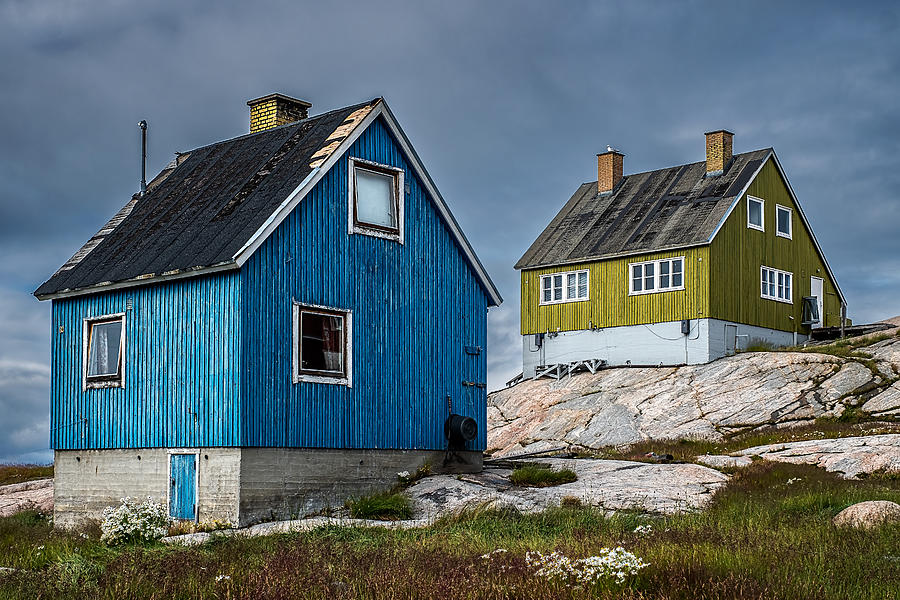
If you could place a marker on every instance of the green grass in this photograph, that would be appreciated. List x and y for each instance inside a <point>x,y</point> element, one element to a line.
<point>533,475</point>
<point>761,538</point>
<point>381,505</point>
<point>20,473</point>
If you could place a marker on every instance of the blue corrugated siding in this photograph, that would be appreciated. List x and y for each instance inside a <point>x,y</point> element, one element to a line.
<point>182,368</point>
<point>415,308</point>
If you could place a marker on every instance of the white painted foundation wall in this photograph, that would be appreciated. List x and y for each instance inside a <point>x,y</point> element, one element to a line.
<point>657,344</point>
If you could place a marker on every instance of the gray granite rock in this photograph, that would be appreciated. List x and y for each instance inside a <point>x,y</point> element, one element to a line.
<point>866,515</point>
<point>732,395</point>
<point>609,484</point>
<point>30,495</point>
<point>850,456</point>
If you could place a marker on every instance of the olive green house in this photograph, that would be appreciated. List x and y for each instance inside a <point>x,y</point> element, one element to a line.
<point>680,265</point>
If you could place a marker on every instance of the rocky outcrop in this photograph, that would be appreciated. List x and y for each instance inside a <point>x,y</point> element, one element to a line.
<point>712,401</point>
<point>850,457</point>
<point>866,515</point>
<point>30,495</point>
<point>609,484</point>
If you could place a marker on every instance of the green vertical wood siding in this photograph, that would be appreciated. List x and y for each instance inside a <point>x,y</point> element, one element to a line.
<point>738,252</point>
<point>609,304</point>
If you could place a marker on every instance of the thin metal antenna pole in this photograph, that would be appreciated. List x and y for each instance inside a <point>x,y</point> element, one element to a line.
<point>143,126</point>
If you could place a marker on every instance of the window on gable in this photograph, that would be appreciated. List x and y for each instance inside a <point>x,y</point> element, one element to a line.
<point>376,206</point>
<point>321,345</point>
<point>755,218</point>
<point>776,284</point>
<point>783,221</point>
<point>662,275</point>
<point>571,286</point>
<point>104,352</point>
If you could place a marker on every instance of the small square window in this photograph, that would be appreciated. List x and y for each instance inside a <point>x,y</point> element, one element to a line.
<point>783,221</point>
<point>755,219</point>
<point>104,352</point>
<point>321,345</point>
<point>376,193</point>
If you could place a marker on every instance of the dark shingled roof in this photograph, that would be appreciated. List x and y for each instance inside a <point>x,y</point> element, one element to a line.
<point>200,211</point>
<point>647,212</point>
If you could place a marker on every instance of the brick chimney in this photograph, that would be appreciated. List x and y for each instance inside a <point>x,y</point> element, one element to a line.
<point>274,110</point>
<point>609,170</point>
<point>718,151</point>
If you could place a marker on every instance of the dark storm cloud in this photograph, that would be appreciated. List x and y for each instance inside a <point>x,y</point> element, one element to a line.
<point>506,102</point>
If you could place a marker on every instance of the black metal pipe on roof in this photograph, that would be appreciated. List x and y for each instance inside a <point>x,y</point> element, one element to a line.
<point>143,126</point>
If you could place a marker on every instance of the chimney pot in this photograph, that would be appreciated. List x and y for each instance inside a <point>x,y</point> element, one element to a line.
<point>718,151</point>
<point>275,110</point>
<point>610,166</point>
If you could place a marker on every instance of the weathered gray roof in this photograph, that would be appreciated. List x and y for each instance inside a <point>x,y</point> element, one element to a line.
<point>652,211</point>
<point>209,205</point>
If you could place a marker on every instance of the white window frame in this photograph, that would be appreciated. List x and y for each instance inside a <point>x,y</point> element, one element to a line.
<point>656,276</point>
<point>565,290</point>
<point>90,384</point>
<point>399,200</point>
<point>298,377</point>
<point>762,213</point>
<point>775,297</point>
<point>790,233</point>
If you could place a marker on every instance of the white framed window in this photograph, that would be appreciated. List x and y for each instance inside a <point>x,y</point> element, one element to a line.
<point>755,213</point>
<point>776,285</point>
<point>375,199</point>
<point>103,351</point>
<point>322,345</point>
<point>571,286</point>
<point>783,221</point>
<point>663,275</point>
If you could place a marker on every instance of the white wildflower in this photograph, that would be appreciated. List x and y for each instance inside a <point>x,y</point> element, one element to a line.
<point>134,522</point>
<point>793,480</point>
<point>616,563</point>
<point>491,555</point>
<point>643,529</point>
<point>223,578</point>
<point>403,474</point>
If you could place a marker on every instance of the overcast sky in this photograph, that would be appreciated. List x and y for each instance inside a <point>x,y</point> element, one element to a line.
<point>507,103</point>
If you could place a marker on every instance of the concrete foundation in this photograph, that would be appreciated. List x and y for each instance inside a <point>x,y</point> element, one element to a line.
<point>657,344</point>
<point>239,485</point>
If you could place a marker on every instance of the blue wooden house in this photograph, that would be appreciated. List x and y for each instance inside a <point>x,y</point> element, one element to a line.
<point>283,320</point>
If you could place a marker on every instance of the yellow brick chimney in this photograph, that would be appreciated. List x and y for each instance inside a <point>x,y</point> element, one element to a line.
<point>274,110</point>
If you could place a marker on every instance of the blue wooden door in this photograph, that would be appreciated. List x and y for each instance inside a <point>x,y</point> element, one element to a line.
<point>183,486</point>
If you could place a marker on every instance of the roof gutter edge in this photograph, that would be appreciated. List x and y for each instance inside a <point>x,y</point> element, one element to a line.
<point>139,281</point>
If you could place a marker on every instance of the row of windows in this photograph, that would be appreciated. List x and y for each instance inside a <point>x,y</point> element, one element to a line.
<point>322,351</point>
<point>654,276</point>
<point>756,217</point>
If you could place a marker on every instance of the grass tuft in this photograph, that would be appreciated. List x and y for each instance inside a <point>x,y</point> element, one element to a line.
<point>385,506</point>
<point>20,473</point>
<point>541,476</point>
